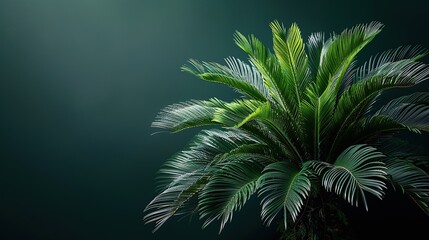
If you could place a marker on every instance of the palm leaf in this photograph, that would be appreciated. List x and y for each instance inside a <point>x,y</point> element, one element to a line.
<point>180,116</point>
<point>237,113</point>
<point>274,79</point>
<point>200,153</point>
<point>284,187</point>
<point>290,51</point>
<point>226,192</point>
<point>356,170</point>
<point>238,75</point>
<point>357,99</point>
<point>185,174</point>
<point>315,45</point>
<point>317,114</point>
<point>170,201</point>
<point>371,66</point>
<point>411,180</point>
<point>340,52</point>
<point>411,111</point>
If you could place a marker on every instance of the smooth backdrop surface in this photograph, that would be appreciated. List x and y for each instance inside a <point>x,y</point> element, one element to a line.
<point>81,81</point>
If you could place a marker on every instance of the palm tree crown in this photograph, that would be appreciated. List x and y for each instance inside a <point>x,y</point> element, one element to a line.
<point>307,127</point>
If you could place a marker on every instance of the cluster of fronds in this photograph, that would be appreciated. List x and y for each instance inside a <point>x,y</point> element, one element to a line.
<point>307,122</point>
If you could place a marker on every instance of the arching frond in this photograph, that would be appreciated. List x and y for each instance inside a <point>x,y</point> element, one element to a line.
<point>173,199</point>
<point>237,113</point>
<point>185,174</point>
<point>227,192</point>
<point>284,187</point>
<point>371,66</point>
<point>200,153</point>
<point>356,170</point>
<point>355,101</point>
<point>411,180</point>
<point>180,116</point>
<point>238,75</point>
<point>340,52</point>
<point>411,111</point>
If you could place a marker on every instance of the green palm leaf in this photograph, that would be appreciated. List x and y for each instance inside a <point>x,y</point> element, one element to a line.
<point>202,151</point>
<point>284,186</point>
<point>410,111</point>
<point>172,200</point>
<point>357,99</point>
<point>317,114</point>
<point>356,170</point>
<point>289,50</point>
<point>411,180</point>
<point>226,192</point>
<point>339,53</point>
<point>276,82</point>
<point>240,76</point>
<point>237,113</point>
<point>180,116</point>
<point>315,45</point>
<point>372,66</point>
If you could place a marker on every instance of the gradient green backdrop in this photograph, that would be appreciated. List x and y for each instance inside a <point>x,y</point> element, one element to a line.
<point>82,80</point>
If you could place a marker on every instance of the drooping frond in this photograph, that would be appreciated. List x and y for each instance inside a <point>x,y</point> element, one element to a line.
<point>411,180</point>
<point>202,150</point>
<point>229,189</point>
<point>170,201</point>
<point>284,187</point>
<point>180,116</point>
<point>340,52</point>
<point>357,170</point>
<point>238,75</point>
<point>411,111</point>
<point>356,100</point>
<point>371,66</point>
<point>185,174</point>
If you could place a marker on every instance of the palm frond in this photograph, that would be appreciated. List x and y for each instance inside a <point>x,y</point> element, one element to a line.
<point>185,174</point>
<point>357,99</point>
<point>371,66</point>
<point>170,201</point>
<point>237,113</point>
<point>180,116</point>
<point>290,51</point>
<point>317,114</point>
<point>278,86</point>
<point>284,187</point>
<point>411,111</point>
<point>411,180</point>
<point>340,52</point>
<point>315,45</point>
<point>227,192</point>
<point>238,75</point>
<point>200,154</point>
<point>357,170</point>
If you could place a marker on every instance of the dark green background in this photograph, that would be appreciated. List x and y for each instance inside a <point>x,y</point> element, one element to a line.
<point>82,80</point>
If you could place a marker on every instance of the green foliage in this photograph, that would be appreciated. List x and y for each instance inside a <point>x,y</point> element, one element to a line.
<point>306,128</point>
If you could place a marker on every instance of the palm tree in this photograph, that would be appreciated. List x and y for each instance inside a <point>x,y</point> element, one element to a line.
<point>307,133</point>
